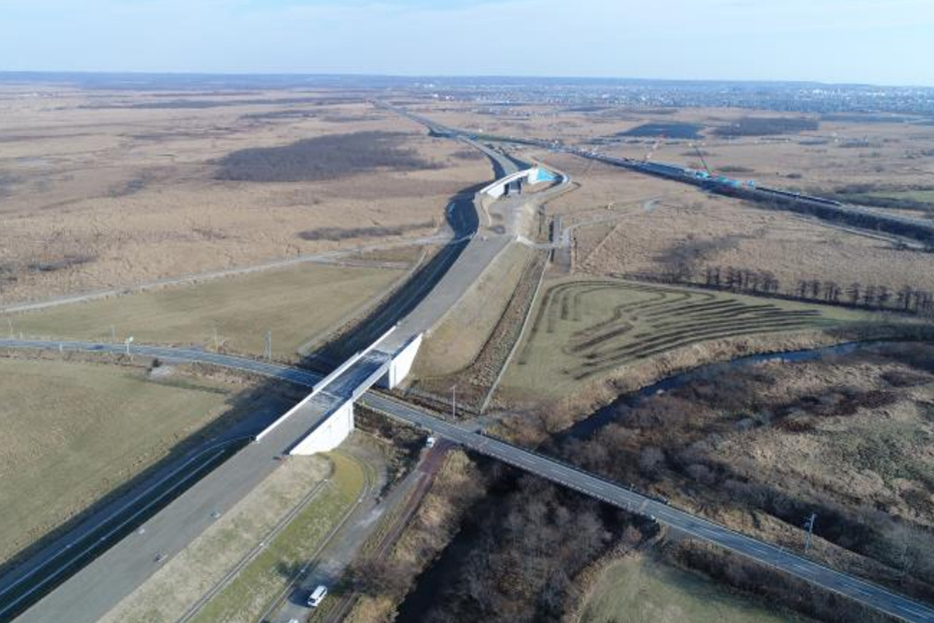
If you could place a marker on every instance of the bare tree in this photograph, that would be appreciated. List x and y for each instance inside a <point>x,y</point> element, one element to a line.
<point>852,292</point>
<point>883,296</point>
<point>814,286</point>
<point>769,281</point>
<point>802,289</point>
<point>903,297</point>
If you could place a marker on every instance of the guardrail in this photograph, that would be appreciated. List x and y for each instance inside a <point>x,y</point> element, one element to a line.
<point>318,387</point>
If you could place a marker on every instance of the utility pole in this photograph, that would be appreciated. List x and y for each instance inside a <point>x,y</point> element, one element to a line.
<point>113,334</point>
<point>809,525</point>
<point>453,401</point>
<point>10,322</point>
<point>128,341</point>
<point>216,347</point>
<point>267,351</point>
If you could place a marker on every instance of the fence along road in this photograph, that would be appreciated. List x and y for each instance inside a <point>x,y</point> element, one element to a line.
<point>844,584</point>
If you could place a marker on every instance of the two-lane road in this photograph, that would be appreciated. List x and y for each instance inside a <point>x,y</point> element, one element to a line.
<point>619,496</point>
<point>862,591</point>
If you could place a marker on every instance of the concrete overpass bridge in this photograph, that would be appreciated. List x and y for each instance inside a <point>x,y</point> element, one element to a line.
<point>512,183</point>
<point>320,422</point>
<point>329,406</point>
<point>122,561</point>
<point>374,362</point>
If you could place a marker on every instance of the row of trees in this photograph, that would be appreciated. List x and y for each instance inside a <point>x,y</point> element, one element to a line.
<point>870,296</point>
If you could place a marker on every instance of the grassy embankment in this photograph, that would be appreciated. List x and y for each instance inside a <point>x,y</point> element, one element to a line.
<point>255,588</point>
<point>185,578</point>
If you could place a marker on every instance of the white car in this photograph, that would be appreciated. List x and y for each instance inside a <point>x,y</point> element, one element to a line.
<point>430,442</point>
<point>317,596</point>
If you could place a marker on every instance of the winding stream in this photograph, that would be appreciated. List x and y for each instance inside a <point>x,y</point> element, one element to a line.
<point>430,583</point>
<point>605,415</point>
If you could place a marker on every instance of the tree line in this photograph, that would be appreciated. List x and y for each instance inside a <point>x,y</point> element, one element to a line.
<point>855,294</point>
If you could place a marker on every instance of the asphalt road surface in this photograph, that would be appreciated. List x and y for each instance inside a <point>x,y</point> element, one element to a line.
<point>88,595</point>
<point>870,594</point>
<point>612,493</point>
<point>113,574</point>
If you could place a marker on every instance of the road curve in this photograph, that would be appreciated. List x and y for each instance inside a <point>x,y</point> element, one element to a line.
<point>844,584</point>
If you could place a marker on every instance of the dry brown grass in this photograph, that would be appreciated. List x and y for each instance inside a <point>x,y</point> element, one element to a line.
<point>456,341</point>
<point>300,305</point>
<point>134,189</point>
<point>745,237</point>
<point>834,454</point>
<point>757,448</point>
<point>738,234</point>
<point>886,153</point>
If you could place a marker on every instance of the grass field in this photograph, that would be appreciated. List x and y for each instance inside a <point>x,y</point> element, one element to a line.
<point>105,189</point>
<point>70,433</point>
<point>247,596</point>
<point>296,304</point>
<point>638,589</point>
<point>583,329</point>
<point>924,198</point>
<point>457,340</point>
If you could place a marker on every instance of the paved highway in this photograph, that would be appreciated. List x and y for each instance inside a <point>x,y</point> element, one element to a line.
<point>118,570</point>
<point>923,229</point>
<point>212,486</point>
<point>865,592</point>
<point>128,563</point>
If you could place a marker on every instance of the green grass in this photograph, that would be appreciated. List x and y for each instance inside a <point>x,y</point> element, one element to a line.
<point>296,304</point>
<point>638,589</point>
<point>254,589</point>
<point>921,196</point>
<point>588,329</point>
<point>72,432</point>
<point>905,199</point>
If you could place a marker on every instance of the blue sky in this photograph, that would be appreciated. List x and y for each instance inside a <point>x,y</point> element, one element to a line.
<point>871,41</point>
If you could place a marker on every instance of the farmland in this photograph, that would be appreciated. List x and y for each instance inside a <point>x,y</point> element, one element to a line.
<point>588,328</point>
